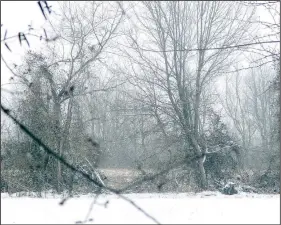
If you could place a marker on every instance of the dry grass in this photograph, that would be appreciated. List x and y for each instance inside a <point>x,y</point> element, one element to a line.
<point>119,178</point>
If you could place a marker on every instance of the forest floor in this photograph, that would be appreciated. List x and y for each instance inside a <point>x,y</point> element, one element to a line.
<point>184,208</point>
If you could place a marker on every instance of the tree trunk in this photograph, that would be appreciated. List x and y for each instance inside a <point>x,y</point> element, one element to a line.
<point>200,152</point>
<point>59,177</point>
<point>202,172</point>
<point>57,118</point>
<point>64,133</point>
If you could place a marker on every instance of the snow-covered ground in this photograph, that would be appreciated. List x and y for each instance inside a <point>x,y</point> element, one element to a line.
<point>181,208</point>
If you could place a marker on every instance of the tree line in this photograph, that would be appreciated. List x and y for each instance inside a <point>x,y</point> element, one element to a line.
<point>135,85</point>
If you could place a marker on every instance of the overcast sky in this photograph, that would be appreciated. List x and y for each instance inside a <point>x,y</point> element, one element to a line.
<point>17,15</point>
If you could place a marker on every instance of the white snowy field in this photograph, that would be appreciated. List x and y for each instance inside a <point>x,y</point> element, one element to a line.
<point>204,208</point>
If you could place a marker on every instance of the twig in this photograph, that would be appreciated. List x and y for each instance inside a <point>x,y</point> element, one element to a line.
<point>92,205</point>
<point>95,172</point>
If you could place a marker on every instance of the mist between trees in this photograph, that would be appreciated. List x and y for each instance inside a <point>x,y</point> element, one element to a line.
<point>128,88</point>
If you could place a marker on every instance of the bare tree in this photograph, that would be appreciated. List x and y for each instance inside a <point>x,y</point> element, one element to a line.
<point>173,78</point>
<point>85,30</point>
<point>263,110</point>
<point>236,106</point>
<point>249,103</point>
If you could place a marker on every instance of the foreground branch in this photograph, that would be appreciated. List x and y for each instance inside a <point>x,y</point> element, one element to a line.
<point>71,167</point>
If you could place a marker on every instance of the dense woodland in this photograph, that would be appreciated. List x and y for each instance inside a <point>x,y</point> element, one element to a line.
<point>139,86</point>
